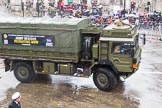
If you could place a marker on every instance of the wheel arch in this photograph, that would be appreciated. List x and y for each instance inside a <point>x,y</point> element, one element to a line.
<point>107,67</point>
<point>14,62</point>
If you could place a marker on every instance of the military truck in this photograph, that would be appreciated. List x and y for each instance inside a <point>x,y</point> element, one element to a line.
<point>74,47</point>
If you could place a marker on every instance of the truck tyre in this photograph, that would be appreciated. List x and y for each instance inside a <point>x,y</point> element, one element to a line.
<point>24,72</point>
<point>104,79</point>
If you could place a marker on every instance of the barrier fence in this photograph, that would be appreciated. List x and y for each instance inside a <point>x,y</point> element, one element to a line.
<point>150,35</point>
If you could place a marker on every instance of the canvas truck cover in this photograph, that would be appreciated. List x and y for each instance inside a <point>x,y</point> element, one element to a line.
<point>41,38</point>
<point>62,23</point>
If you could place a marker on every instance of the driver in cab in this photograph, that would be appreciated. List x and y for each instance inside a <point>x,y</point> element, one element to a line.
<point>119,49</point>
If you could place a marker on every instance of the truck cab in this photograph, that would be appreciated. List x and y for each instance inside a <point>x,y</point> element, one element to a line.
<point>116,54</point>
<point>123,47</point>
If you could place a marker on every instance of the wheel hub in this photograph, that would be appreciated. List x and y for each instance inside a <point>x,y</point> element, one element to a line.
<point>102,80</point>
<point>23,72</point>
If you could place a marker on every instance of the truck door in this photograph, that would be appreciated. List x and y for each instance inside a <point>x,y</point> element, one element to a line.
<point>120,56</point>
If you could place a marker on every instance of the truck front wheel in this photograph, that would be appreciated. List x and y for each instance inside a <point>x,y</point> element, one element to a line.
<point>104,79</point>
<point>24,72</point>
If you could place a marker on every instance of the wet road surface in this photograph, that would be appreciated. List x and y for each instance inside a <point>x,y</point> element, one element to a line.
<point>147,82</point>
<point>59,92</point>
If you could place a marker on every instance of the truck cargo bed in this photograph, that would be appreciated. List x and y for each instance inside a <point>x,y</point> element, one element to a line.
<point>41,38</point>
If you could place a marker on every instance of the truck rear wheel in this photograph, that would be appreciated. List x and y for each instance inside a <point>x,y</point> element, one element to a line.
<point>24,72</point>
<point>104,79</point>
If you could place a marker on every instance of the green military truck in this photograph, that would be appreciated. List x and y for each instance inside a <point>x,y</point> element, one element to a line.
<point>73,47</point>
